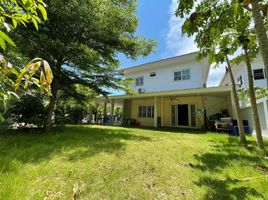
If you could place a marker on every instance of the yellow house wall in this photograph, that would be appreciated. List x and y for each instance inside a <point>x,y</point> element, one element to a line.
<point>135,111</point>
<point>164,110</point>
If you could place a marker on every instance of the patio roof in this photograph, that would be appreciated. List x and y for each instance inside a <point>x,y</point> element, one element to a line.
<point>219,91</point>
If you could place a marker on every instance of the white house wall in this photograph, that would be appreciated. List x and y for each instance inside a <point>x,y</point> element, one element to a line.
<point>164,79</point>
<point>247,115</point>
<point>241,70</point>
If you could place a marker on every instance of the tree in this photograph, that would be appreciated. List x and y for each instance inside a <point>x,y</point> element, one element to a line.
<point>213,44</point>
<point>216,22</point>
<point>259,12</point>
<point>81,41</point>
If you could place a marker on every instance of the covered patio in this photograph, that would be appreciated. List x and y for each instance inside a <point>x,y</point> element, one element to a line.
<point>191,108</point>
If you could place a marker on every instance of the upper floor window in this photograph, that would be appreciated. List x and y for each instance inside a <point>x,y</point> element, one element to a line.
<point>258,74</point>
<point>182,75</point>
<point>139,81</point>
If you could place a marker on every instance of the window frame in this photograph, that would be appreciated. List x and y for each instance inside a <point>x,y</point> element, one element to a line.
<point>139,81</point>
<point>254,75</point>
<point>143,111</point>
<point>181,75</point>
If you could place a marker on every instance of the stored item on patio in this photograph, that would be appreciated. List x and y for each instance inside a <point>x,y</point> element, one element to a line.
<point>235,130</point>
<point>224,124</point>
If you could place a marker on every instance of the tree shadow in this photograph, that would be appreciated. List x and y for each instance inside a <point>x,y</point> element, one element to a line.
<point>224,152</point>
<point>79,143</point>
<point>170,129</point>
<point>221,189</point>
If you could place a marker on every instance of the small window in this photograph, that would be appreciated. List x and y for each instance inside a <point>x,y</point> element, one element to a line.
<point>240,80</point>
<point>182,75</point>
<point>258,74</point>
<point>152,74</point>
<point>139,81</point>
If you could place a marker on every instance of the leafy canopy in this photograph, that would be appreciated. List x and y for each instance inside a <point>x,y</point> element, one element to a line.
<point>81,41</point>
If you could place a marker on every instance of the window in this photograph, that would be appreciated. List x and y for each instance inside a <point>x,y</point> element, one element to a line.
<point>139,81</point>
<point>152,74</point>
<point>240,80</point>
<point>150,111</point>
<point>177,76</point>
<point>146,111</point>
<point>258,74</point>
<point>182,75</point>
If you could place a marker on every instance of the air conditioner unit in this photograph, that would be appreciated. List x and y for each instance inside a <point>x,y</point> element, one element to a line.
<point>141,90</point>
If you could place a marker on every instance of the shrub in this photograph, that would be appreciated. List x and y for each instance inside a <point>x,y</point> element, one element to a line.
<point>76,114</point>
<point>29,110</point>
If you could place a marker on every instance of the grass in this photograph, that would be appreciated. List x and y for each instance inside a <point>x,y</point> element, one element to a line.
<point>94,162</point>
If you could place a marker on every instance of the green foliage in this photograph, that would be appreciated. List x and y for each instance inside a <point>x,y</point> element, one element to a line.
<point>260,93</point>
<point>73,105</point>
<point>81,41</point>
<point>76,114</point>
<point>29,110</point>
<point>12,14</point>
<point>19,12</point>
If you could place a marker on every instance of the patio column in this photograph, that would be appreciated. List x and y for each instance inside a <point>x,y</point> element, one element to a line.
<point>162,111</point>
<point>105,109</point>
<point>112,111</point>
<point>155,111</point>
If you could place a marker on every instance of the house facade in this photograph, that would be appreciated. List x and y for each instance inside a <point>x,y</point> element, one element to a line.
<point>173,93</point>
<point>259,76</point>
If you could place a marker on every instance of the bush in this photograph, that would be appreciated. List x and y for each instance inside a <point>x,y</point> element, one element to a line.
<point>76,114</point>
<point>29,110</point>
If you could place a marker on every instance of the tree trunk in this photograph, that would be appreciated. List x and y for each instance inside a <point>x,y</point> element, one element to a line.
<point>51,105</point>
<point>236,105</point>
<point>261,34</point>
<point>55,86</point>
<point>253,100</point>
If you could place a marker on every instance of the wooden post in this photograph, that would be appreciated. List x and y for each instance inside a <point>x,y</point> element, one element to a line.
<point>112,111</point>
<point>155,111</point>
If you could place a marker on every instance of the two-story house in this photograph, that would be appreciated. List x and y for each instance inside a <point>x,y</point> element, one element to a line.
<point>172,92</point>
<point>259,76</point>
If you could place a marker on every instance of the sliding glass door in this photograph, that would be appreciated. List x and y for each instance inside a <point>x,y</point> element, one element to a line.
<point>183,115</point>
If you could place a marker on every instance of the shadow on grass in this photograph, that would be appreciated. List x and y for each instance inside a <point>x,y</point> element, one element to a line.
<point>170,129</point>
<point>73,143</point>
<point>225,152</point>
<point>221,189</point>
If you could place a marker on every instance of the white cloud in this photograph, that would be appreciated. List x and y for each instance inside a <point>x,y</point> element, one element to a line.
<point>176,44</point>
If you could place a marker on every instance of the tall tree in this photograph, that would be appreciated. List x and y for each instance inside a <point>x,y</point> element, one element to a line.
<point>207,26</point>
<point>259,12</point>
<point>214,21</point>
<point>81,41</point>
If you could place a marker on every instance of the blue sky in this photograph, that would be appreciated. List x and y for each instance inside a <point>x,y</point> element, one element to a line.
<point>158,22</point>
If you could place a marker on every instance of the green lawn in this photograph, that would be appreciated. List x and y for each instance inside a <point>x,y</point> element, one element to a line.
<point>122,163</point>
